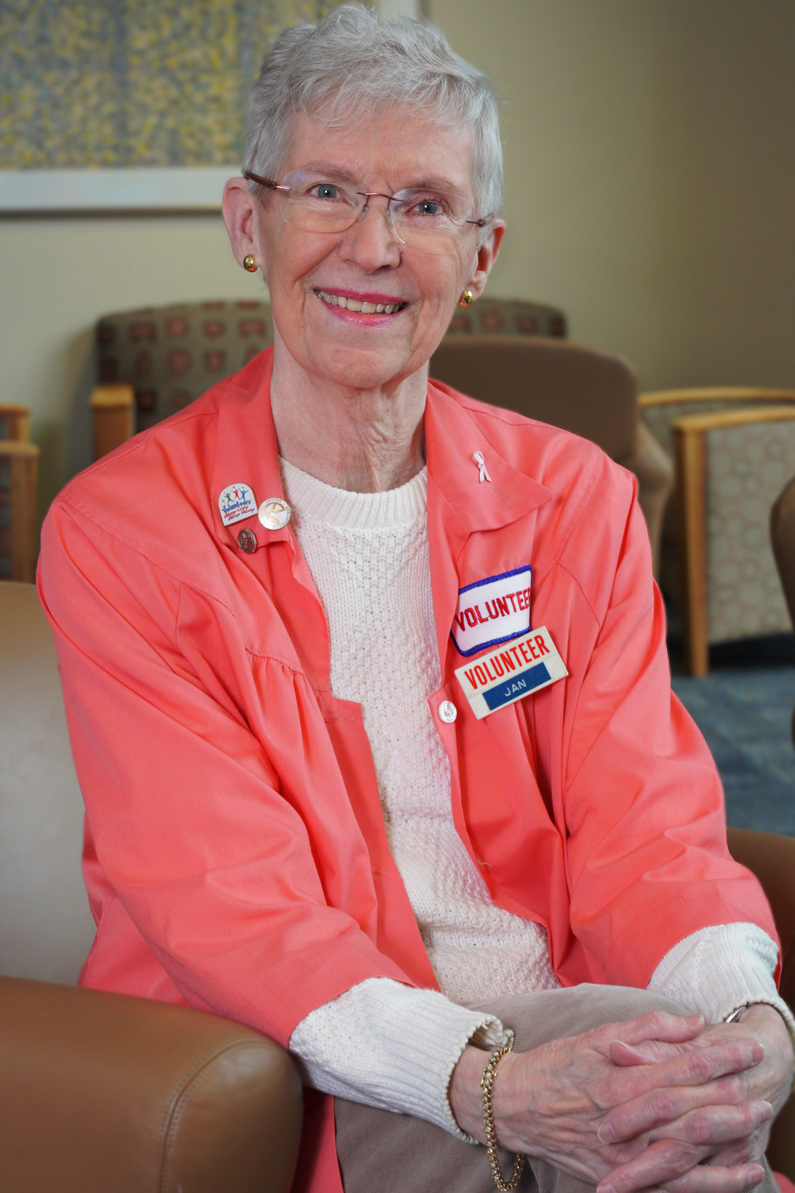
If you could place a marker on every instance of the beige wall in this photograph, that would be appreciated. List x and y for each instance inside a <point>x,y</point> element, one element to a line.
<point>650,159</point>
<point>651,193</point>
<point>59,275</point>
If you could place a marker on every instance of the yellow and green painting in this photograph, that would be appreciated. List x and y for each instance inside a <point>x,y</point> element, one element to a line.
<point>103,83</point>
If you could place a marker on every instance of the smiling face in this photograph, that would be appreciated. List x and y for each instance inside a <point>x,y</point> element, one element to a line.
<point>326,288</point>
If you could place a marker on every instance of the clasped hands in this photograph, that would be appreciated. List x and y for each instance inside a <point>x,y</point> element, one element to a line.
<point>660,1100</point>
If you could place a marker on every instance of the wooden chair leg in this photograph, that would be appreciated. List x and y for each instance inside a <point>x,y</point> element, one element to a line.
<point>691,473</point>
<point>22,463</point>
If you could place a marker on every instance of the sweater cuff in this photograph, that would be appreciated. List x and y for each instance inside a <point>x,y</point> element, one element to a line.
<point>391,1046</point>
<point>718,969</point>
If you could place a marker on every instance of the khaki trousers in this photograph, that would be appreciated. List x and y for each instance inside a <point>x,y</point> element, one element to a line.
<point>381,1152</point>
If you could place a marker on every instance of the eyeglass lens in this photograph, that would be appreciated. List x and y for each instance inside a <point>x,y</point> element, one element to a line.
<point>427,220</point>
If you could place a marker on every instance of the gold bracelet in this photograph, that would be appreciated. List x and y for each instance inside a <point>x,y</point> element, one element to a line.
<point>487,1086</point>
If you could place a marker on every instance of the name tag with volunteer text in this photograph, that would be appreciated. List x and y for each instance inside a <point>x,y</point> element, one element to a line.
<point>511,672</point>
<point>492,610</point>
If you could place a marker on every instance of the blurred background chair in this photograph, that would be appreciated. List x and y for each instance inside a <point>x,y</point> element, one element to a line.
<point>153,362</point>
<point>733,449</point>
<point>591,393</point>
<point>101,1091</point>
<point>19,460</point>
<point>782,535</point>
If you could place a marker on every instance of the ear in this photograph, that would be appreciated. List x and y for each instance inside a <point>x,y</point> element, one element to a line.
<point>239,216</point>
<point>487,255</point>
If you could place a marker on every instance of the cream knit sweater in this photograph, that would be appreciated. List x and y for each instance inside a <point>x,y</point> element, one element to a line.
<point>383,1043</point>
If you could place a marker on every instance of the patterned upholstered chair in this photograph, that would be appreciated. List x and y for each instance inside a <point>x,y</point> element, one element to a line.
<point>18,476</point>
<point>734,449</point>
<point>152,362</point>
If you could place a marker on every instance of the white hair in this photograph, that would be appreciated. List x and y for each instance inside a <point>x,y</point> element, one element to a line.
<point>350,63</point>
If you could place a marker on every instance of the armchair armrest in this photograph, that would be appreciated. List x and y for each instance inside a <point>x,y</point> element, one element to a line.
<point>655,472</point>
<point>103,1091</point>
<point>14,422</point>
<point>20,461</point>
<point>112,411</point>
<point>772,859</point>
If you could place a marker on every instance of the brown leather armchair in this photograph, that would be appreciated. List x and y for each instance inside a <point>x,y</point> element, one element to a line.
<point>592,393</point>
<point>103,1092</point>
<point>782,534</point>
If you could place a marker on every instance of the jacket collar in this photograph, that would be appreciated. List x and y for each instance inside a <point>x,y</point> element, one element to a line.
<point>247,450</point>
<point>453,437</point>
<point>247,453</point>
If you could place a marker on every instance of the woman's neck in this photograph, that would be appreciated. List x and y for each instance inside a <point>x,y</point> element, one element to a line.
<point>362,440</point>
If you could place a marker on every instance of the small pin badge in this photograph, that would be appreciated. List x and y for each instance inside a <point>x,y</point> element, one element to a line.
<point>236,503</point>
<point>510,672</point>
<point>247,541</point>
<point>274,513</point>
<point>483,472</point>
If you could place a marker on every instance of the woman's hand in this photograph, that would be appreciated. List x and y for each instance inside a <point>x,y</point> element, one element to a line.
<point>770,1081</point>
<point>552,1102</point>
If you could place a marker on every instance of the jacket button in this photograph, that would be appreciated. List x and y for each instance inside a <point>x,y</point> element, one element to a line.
<point>448,711</point>
<point>247,541</point>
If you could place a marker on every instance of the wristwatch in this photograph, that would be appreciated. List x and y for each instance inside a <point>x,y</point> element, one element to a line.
<point>737,1015</point>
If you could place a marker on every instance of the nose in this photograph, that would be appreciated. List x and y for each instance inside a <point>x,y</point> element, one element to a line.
<point>372,243</point>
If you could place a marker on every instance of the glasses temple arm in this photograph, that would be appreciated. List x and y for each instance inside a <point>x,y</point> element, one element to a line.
<point>273,186</point>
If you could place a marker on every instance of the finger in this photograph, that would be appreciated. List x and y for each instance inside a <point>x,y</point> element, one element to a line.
<point>696,1067</point>
<point>653,1051</point>
<point>678,1167</point>
<point>713,1125</point>
<point>708,1178</point>
<point>662,1107</point>
<point>655,1025</point>
<point>649,1052</point>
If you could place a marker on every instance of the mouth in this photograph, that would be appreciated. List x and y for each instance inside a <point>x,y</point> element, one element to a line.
<point>376,305</point>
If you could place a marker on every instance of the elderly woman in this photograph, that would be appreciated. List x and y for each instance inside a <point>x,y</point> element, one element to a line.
<point>369,699</point>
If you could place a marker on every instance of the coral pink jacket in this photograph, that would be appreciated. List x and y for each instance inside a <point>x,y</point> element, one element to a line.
<point>236,857</point>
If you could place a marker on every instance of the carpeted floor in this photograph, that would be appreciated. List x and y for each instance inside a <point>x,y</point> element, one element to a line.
<point>744,709</point>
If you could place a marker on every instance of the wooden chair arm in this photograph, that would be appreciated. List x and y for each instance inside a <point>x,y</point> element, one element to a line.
<point>113,414</point>
<point>15,421</point>
<point>23,462</point>
<point>716,393</point>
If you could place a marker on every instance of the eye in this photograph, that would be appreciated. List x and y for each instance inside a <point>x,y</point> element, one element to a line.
<point>425,206</point>
<point>327,192</point>
<point>430,207</point>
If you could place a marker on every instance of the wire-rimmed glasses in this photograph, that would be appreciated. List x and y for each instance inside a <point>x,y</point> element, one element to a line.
<point>423,218</point>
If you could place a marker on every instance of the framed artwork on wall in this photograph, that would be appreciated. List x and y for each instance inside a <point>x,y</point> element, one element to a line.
<point>113,105</point>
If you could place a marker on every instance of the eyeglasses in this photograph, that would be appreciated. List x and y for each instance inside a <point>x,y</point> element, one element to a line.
<point>421,218</point>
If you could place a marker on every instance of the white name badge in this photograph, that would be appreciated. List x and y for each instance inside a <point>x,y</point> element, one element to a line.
<point>511,672</point>
<point>235,503</point>
<point>492,610</point>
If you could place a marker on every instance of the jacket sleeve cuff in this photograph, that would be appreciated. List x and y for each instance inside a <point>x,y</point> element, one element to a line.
<point>718,969</point>
<point>391,1046</point>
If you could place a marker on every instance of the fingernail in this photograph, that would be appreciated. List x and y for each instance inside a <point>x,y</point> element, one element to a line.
<point>694,1018</point>
<point>606,1134</point>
